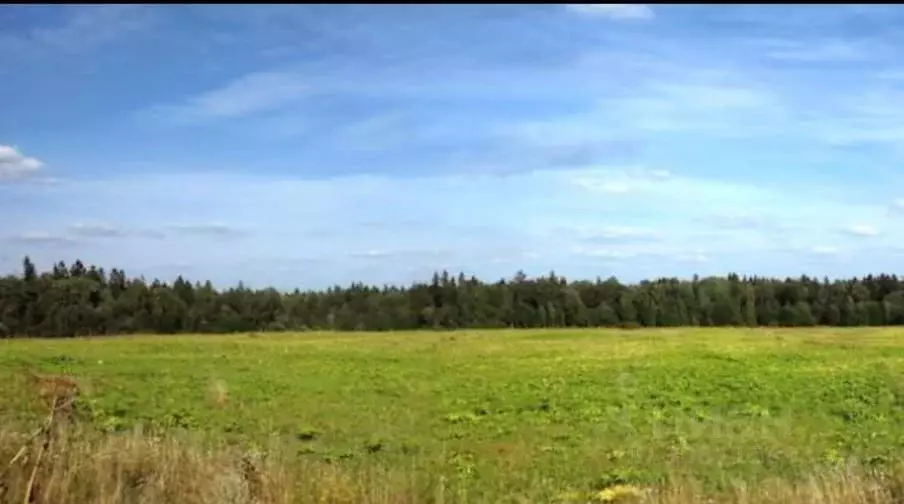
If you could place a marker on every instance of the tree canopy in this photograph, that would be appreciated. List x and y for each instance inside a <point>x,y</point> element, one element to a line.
<point>80,300</point>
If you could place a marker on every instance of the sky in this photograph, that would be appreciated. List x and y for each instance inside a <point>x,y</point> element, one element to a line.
<point>314,145</point>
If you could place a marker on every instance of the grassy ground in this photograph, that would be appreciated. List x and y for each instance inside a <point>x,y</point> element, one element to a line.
<point>489,416</point>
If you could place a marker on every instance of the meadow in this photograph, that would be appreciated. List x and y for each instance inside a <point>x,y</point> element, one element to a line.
<point>741,415</point>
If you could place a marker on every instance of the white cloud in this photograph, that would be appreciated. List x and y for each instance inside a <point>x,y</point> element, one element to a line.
<point>706,101</point>
<point>661,174</point>
<point>702,85</point>
<point>603,253</point>
<point>618,180</point>
<point>897,206</point>
<point>15,166</point>
<point>604,186</point>
<point>244,96</point>
<point>154,234</point>
<point>96,230</point>
<point>209,229</point>
<point>656,254</point>
<point>811,51</point>
<point>402,254</point>
<point>626,232</point>
<point>698,256</point>
<point>732,220</point>
<point>85,28</point>
<point>713,96</point>
<point>43,238</point>
<point>372,253</point>
<point>91,26</point>
<point>658,232</point>
<point>891,75</point>
<point>857,117</point>
<point>670,91</point>
<point>863,230</point>
<point>825,250</point>
<point>619,234</point>
<point>705,194</point>
<point>558,133</point>
<point>613,11</point>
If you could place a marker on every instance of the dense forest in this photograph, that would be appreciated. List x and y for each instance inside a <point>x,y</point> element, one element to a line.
<point>86,300</point>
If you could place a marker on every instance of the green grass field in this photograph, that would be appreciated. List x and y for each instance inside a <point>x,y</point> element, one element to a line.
<point>502,413</point>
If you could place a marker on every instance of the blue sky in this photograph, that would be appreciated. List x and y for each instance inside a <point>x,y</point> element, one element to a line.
<point>315,145</point>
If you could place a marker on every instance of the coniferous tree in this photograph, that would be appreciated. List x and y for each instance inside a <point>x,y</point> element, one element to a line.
<point>86,300</point>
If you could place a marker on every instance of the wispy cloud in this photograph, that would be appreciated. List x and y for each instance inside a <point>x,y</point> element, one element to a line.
<point>617,234</point>
<point>733,220</point>
<point>656,230</point>
<point>825,250</point>
<point>643,252</point>
<point>613,11</point>
<point>373,253</point>
<point>96,230</point>
<point>16,166</point>
<point>603,186</point>
<point>43,238</point>
<point>714,96</point>
<point>893,75</point>
<point>402,254</point>
<point>861,230</point>
<point>697,256</point>
<point>214,229</point>
<point>81,28</point>
<point>897,206</point>
<point>619,181</point>
<point>557,145</point>
<point>604,253</point>
<point>713,107</point>
<point>708,194</point>
<point>813,51</point>
<point>247,95</point>
<point>661,174</point>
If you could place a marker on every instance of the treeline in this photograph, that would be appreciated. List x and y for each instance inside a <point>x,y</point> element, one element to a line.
<point>84,300</point>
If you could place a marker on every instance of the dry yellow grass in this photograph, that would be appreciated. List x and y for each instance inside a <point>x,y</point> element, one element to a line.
<point>50,387</point>
<point>219,393</point>
<point>86,467</point>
